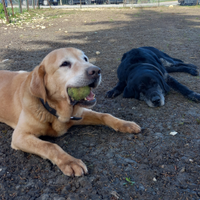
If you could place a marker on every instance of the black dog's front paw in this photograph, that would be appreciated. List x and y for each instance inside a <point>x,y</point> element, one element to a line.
<point>113,93</point>
<point>194,97</point>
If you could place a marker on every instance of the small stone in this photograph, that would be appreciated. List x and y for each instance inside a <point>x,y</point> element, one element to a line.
<point>173,133</point>
<point>182,170</point>
<point>154,179</point>
<point>97,52</point>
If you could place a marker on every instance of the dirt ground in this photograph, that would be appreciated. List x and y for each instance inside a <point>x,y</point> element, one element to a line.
<point>151,165</point>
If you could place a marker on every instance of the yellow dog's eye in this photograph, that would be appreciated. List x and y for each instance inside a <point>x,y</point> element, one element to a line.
<point>86,59</point>
<point>66,64</point>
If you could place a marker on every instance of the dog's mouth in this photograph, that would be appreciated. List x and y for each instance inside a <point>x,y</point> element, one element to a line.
<point>82,96</point>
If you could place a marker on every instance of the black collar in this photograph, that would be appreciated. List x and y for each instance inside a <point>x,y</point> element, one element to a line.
<point>48,108</point>
<point>155,68</point>
<point>53,111</point>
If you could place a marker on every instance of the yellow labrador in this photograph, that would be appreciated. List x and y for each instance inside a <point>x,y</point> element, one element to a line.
<point>36,103</point>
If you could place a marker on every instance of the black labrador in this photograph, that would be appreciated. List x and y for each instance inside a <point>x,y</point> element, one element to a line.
<point>143,74</point>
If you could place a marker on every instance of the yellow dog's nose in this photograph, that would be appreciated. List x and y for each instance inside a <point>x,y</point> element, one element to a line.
<point>93,72</point>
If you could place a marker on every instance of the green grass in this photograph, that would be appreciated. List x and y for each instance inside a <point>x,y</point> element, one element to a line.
<point>2,14</point>
<point>128,181</point>
<point>25,16</point>
<point>9,11</point>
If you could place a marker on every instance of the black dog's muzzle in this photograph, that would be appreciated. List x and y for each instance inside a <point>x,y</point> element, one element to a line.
<point>156,100</point>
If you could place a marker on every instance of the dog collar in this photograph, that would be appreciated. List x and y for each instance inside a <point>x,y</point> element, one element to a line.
<point>53,111</point>
<point>155,68</point>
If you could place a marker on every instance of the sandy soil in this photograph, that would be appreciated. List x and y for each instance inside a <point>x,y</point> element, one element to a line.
<point>152,165</point>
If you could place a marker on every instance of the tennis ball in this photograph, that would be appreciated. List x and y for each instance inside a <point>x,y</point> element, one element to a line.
<point>78,93</point>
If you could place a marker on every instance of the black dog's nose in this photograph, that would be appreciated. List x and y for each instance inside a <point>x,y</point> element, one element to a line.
<point>93,72</point>
<point>156,100</point>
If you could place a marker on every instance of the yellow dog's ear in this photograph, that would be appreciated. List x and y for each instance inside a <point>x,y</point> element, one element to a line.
<point>37,85</point>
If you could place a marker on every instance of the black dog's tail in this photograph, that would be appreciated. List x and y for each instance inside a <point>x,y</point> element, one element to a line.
<point>174,84</point>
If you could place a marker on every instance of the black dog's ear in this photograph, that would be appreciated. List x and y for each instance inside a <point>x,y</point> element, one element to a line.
<point>130,92</point>
<point>124,56</point>
<point>164,85</point>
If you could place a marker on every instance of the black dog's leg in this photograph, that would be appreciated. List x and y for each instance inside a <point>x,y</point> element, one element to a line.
<point>186,65</point>
<point>173,83</point>
<point>192,71</point>
<point>117,90</point>
<point>181,67</point>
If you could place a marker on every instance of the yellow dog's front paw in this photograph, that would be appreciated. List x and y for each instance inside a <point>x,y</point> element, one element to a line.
<point>129,127</point>
<point>74,167</point>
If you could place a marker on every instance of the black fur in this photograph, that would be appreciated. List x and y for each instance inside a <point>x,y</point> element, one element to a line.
<point>143,74</point>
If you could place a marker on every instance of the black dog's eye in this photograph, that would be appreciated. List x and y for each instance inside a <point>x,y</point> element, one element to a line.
<point>142,87</point>
<point>153,83</point>
<point>66,64</point>
<point>86,59</point>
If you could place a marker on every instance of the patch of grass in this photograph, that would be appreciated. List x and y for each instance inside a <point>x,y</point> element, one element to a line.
<point>9,10</point>
<point>128,181</point>
<point>198,121</point>
<point>33,14</point>
<point>2,14</point>
<point>195,6</point>
<point>1,8</point>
